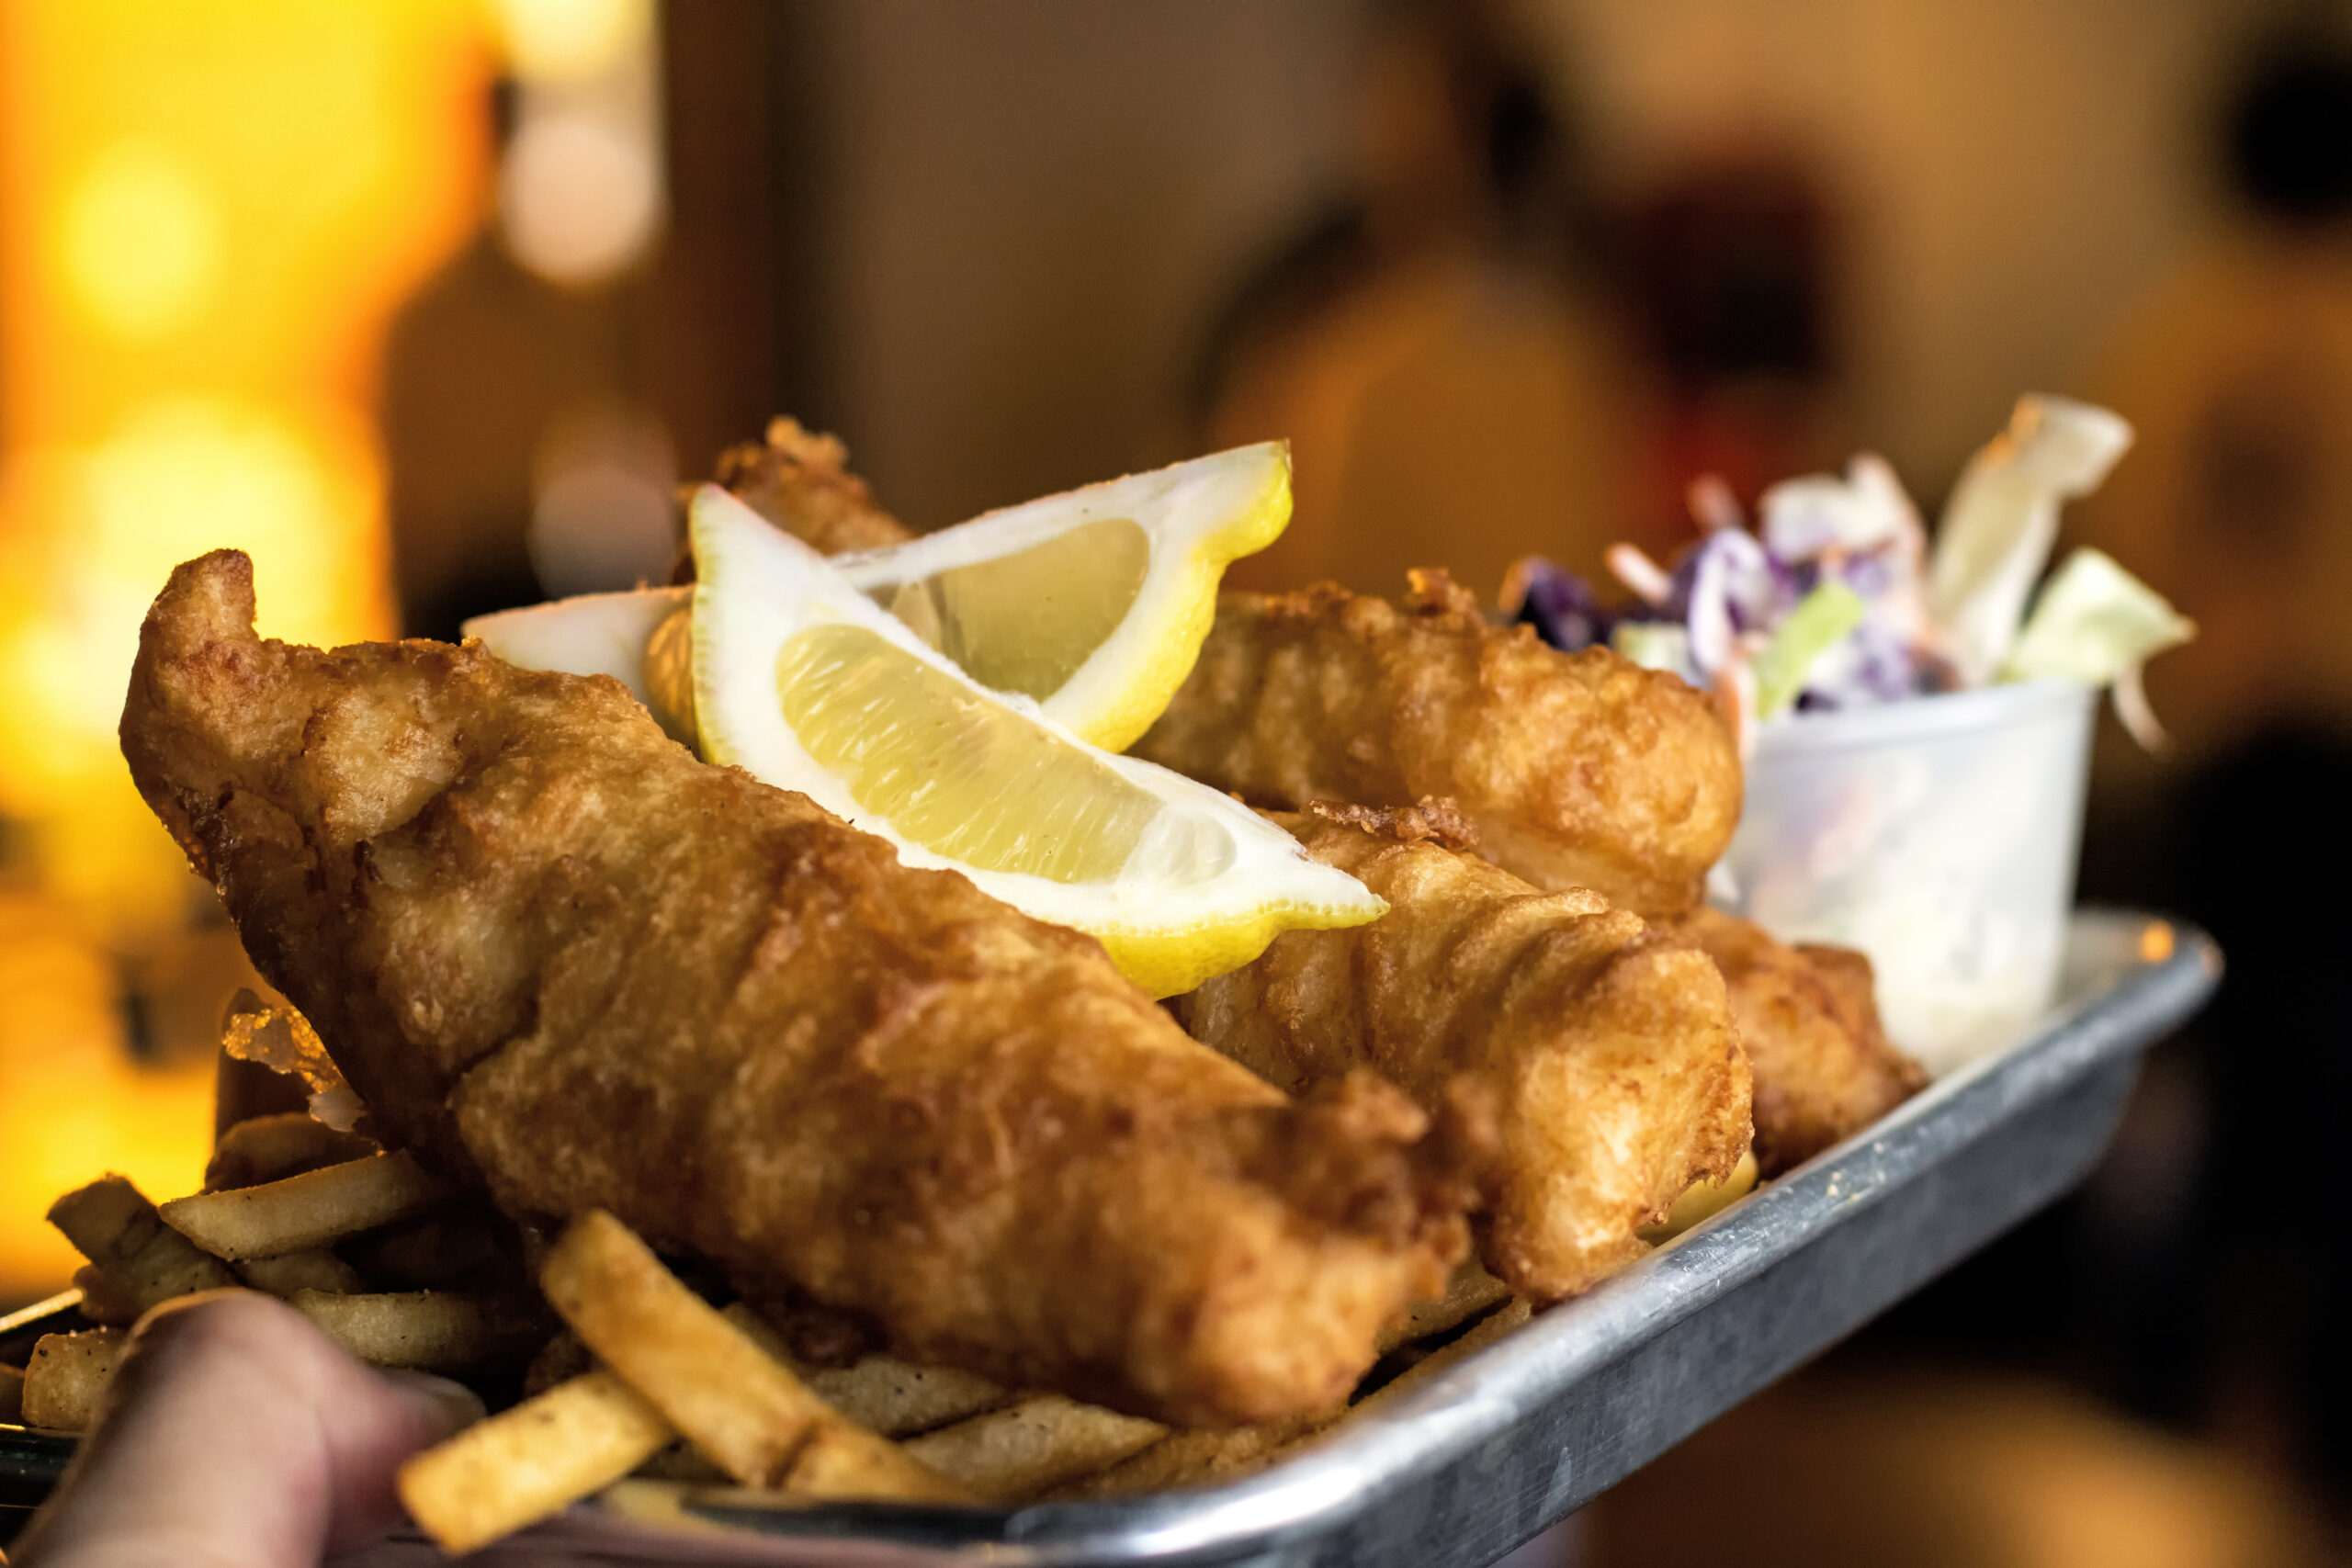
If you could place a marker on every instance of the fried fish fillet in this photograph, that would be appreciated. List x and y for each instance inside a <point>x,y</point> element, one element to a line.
<point>1580,770</point>
<point>1808,1019</point>
<point>1607,1050</point>
<point>800,482</point>
<point>562,958</point>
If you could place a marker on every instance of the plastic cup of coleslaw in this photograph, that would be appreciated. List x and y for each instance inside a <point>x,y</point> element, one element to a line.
<point>1939,836</point>
<point>1921,720</point>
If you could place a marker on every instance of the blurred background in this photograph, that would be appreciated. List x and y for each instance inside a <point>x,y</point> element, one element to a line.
<point>430,304</point>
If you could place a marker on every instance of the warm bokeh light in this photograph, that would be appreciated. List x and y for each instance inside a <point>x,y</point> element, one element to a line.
<point>555,41</point>
<point>579,189</point>
<point>141,240</point>
<point>208,216</point>
<point>580,196</point>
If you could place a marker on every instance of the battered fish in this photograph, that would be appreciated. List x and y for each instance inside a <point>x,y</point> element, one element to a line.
<point>1808,1019</point>
<point>1580,770</point>
<point>562,958</point>
<point>800,482</point>
<point>1607,1050</point>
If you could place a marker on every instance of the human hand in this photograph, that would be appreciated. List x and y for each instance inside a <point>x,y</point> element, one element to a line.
<point>235,1434</point>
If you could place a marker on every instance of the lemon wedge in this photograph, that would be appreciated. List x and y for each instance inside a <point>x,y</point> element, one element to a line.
<point>803,680</point>
<point>1093,602</point>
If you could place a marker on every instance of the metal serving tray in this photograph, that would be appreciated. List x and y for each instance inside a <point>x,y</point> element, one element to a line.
<point>1485,1454</point>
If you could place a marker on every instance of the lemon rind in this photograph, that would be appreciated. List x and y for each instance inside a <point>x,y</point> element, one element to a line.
<point>1169,963</point>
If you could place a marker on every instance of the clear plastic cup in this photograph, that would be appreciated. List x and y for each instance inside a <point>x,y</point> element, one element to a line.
<point>1941,837</point>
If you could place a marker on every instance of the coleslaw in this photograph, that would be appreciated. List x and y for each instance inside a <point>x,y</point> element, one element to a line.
<point>1833,600</point>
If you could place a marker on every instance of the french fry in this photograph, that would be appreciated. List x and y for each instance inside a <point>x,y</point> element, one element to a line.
<point>12,1395</point>
<point>1017,1453</point>
<point>746,1411</point>
<point>1511,1315</point>
<point>1197,1458</point>
<point>66,1377</point>
<point>111,1222</point>
<point>893,1397</point>
<point>1193,1459</point>
<point>525,1463</point>
<point>896,1398</point>
<point>1470,1292</point>
<point>306,1210</point>
<point>433,1330</point>
<point>270,1148</point>
<point>314,1269</point>
<point>104,1302</point>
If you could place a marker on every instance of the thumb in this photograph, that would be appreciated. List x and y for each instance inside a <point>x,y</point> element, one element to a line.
<point>236,1433</point>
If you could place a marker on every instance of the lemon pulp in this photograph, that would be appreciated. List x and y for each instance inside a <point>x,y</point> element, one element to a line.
<point>950,771</point>
<point>1026,621</point>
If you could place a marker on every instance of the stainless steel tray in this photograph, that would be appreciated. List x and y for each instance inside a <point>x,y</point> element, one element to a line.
<point>1488,1453</point>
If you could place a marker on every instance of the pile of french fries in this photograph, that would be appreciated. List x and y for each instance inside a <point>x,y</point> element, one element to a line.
<point>610,1376</point>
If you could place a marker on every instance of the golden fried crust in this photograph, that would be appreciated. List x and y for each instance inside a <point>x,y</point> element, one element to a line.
<point>1580,770</point>
<point>1607,1050</point>
<point>1807,1017</point>
<point>800,482</point>
<point>561,958</point>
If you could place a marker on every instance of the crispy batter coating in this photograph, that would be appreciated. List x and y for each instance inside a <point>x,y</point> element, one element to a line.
<point>1580,770</point>
<point>562,958</point>
<point>800,482</point>
<point>1808,1019</point>
<point>1607,1051</point>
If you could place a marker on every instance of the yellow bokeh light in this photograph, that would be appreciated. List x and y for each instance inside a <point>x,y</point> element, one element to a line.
<point>185,475</point>
<point>209,215</point>
<point>562,41</point>
<point>180,476</point>
<point>141,245</point>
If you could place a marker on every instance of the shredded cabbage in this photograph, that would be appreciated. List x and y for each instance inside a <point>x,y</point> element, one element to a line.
<point>2003,517</point>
